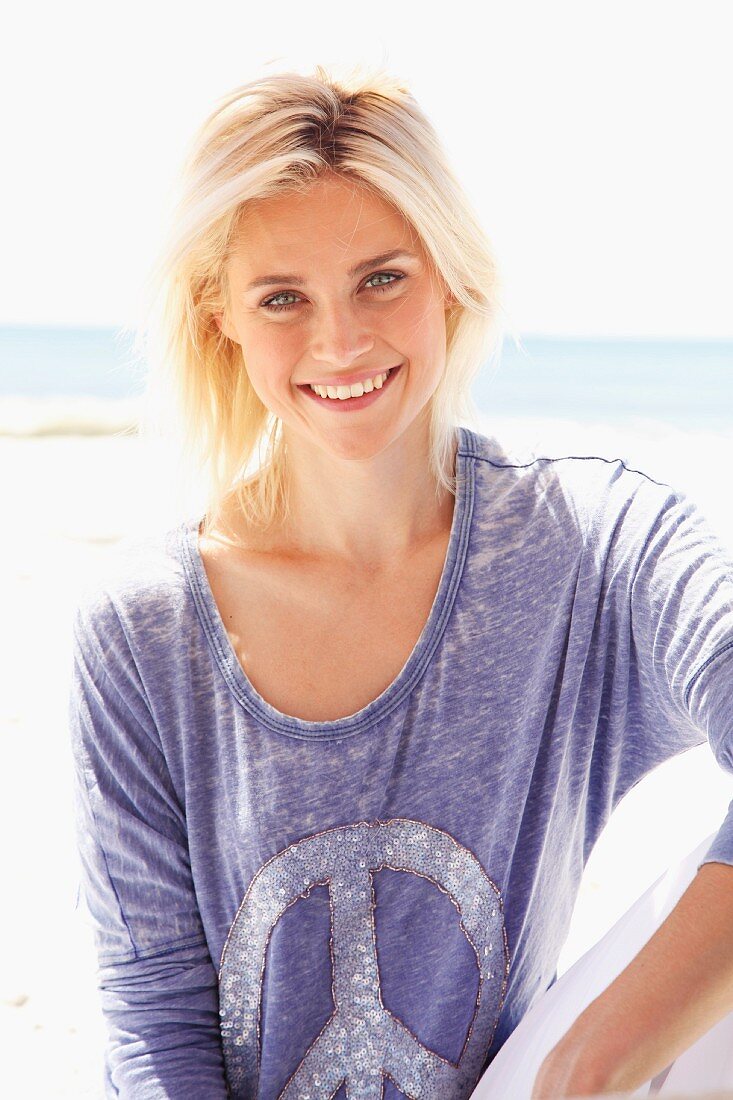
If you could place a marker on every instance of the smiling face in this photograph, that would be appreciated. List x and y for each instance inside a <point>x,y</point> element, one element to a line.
<point>329,307</point>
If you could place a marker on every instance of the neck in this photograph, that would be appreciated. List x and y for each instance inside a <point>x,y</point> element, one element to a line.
<point>365,513</point>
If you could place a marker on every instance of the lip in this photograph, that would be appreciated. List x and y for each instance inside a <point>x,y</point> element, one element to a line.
<point>350,379</point>
<point>353,404</point>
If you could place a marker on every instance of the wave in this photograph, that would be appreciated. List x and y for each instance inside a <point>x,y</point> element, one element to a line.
<point>79,415</point>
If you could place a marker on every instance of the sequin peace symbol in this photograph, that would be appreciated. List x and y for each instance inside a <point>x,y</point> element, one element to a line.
<point>362,1042</point>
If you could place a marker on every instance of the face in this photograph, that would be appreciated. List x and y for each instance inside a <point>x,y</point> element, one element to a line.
<point>313,299</point>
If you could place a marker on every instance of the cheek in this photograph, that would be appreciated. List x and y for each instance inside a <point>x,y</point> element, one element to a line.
<point>270,352</point>
<point>425,334</point>
<point>420,319</point>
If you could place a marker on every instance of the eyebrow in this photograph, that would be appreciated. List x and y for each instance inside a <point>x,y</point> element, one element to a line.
<point>365,265</point>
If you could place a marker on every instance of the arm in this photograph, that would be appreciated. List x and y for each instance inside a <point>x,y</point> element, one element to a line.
<point>157,981</point>
<point>677,988</point>
<point>162,1023</point>
<point>673,604</point>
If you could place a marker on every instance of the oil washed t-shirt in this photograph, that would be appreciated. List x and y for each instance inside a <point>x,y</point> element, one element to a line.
<point>367,907</point>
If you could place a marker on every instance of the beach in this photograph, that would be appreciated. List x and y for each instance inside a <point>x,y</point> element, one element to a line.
<point>72,493</point>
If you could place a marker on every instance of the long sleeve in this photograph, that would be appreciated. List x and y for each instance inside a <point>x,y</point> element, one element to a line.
<point>682,632</point>
<point>156,977</point>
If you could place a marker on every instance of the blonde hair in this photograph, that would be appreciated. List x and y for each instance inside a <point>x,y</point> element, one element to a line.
<point>277,133</point>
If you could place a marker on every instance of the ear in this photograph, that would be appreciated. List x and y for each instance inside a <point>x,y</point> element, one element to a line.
<point>449,300</point>
<point>221,323</point>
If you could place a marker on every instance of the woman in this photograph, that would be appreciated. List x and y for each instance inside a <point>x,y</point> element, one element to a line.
<point>345,742</point>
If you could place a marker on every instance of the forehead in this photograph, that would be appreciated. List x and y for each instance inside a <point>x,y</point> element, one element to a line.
<point>333,215</point>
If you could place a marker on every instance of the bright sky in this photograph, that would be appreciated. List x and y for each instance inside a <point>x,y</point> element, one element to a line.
<point>592,137</point>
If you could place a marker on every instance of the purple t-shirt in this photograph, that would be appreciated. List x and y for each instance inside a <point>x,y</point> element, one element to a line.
<point>367,907</point>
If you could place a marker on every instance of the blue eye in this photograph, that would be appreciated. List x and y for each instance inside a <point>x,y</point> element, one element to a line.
<point>280,294</point>
<point>381,274</point>
<point>268,302</point>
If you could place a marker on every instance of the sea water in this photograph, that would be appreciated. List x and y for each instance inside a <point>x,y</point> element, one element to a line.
<point>687,384</point>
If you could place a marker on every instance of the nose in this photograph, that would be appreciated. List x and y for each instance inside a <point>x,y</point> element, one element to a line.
<point>340,335</point>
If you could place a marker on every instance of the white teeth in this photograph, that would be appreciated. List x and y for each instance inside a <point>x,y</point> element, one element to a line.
<point>342,393</point>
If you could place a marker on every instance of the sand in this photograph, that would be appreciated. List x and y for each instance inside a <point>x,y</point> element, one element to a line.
<point>68,500</point>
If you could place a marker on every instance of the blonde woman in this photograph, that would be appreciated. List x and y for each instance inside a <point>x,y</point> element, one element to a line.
<point>345,741</point>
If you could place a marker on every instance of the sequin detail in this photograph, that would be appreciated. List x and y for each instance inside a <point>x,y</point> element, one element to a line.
<point>362,1043</point>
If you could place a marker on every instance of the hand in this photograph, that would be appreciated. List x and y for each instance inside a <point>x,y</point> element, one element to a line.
<point>568,1070</point>
<point>671,993</point>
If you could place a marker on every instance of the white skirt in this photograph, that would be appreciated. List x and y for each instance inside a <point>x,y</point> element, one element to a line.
<point>706,1065</point>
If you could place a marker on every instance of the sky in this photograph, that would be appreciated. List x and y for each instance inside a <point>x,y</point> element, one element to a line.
<point>591,138</point>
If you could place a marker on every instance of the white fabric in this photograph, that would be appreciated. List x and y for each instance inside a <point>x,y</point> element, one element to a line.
<point>706,1065</point>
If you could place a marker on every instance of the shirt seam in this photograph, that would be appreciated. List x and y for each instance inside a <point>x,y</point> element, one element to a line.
<point>695,675</point>
<point>160,950</point>
<point>136,953</point>
<point>102,849</point>
<point>565,458</point>
<point>143,690</point>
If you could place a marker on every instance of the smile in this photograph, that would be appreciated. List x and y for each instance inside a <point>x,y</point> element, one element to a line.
<point>343,398</point>
<point>343,393</point>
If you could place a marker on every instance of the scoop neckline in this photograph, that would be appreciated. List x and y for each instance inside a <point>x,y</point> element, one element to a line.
<point>379,708</point>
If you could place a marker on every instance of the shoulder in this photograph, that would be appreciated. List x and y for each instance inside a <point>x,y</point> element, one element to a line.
<point>577,488</point>
<point>141,592</point>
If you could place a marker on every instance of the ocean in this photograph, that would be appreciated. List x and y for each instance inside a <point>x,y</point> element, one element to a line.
<point>687,384</point>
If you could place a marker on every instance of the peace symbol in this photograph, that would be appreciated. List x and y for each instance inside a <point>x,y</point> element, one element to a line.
<point>362,1042</point>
